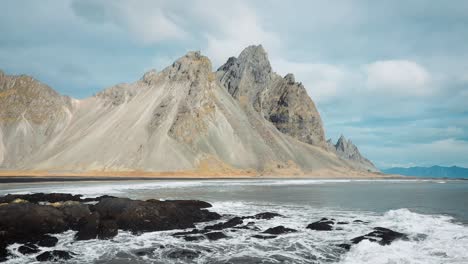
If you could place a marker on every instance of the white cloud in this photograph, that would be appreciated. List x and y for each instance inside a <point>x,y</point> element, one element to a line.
<point>236,26</point>
<point>147,21</point>
<point>322,81</point>
<point>398,77</point>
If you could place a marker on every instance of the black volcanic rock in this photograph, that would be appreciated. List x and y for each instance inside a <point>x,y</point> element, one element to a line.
<point>47,241</point>
<point>73,212</point>
<point>31,223</point>
<point>381,235</point>
<point>23,221</point>
<point>344,246</point>
<point>181,254</point>
<point>88,227</point>
<point>323,225</point>
<point>107,229</point>
<point>215,235</point>
<point>266,216</point>
<point>28,248</point>
<point>141,216</point>
<point>279,230</point>
<point>263,236</point>
<point>193,238</point>
<point>4,254</point>
<point>54,255</point>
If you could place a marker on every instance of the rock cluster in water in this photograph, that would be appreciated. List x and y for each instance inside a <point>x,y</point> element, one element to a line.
<point>29,219</point>
<point>32,219</point>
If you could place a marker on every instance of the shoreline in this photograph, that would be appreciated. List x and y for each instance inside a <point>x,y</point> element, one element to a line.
<point>40,179</point>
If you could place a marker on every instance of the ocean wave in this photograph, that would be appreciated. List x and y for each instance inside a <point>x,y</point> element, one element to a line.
<point>432,239</point>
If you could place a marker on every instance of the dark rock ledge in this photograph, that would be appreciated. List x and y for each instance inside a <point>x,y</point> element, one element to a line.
<point>29,219</point>
<point>32,219</point>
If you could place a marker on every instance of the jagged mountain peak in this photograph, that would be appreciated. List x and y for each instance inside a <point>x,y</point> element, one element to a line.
<point>191,66</point>
<point>343,144</point>
<point>346,150</point>
<point>290,79</point>
<point>149,76</point>
<point>254,54</point>
<point>249,79</point>
<point>252,68</point>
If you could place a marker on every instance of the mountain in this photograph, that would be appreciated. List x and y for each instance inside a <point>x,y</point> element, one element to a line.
<point>241,119</point>
<point>434,171</point>
<point>346,150</point>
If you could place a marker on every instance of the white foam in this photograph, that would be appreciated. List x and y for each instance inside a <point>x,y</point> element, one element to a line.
<point>433,239</point>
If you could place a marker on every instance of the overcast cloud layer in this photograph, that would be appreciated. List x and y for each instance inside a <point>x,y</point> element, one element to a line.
<point>390,75</point>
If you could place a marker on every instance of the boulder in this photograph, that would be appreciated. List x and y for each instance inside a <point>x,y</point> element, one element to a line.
<point>107,229</point>
<point>54,255</point>
<point>381,235</point>
<point>360,222</point>
<point>26,221</point>
<point>73,212</point>
<point>30,223</point>
<point>263,237</point>
<point>193,238</point>
<point>189,203</point>
<point>324,224</point>
<point>28,248</point>
<point>4,254</point>
<point>88,227</point>
<point>47,241</point>
<point>143,216</point>
<point>181,254</point>
<point>279,230</point>
<point>344,246</point>
<point>215,235</point>
<point>265,216</point>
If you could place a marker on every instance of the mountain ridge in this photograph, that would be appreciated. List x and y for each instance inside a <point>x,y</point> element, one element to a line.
<point>432,171</point>
<point>183,118</point>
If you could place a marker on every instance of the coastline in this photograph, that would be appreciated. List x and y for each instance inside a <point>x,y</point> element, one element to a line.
<point>56,176</point>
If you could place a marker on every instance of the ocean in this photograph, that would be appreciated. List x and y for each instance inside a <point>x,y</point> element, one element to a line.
<point>433,213</point>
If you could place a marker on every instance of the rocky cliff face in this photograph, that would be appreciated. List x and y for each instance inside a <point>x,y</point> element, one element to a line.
<point>243,117</point>
<point>282,101</point>
<point>346,150</point>
<point>31,113</point>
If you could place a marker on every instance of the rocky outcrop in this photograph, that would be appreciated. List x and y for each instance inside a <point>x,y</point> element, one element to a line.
<point>324,224</point>
<point>346,150</point>
<point>381,235</point>
<point>278,230</point>
<point>282,101</point>
<point>30,219</point>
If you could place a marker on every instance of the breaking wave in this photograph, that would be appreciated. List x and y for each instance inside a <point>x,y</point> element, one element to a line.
<point>432,239</point>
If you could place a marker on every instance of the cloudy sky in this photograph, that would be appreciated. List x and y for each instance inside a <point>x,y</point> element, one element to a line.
<point>391,75</point>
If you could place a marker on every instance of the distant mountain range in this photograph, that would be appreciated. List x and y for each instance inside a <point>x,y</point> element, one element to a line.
<point>434,171</point>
